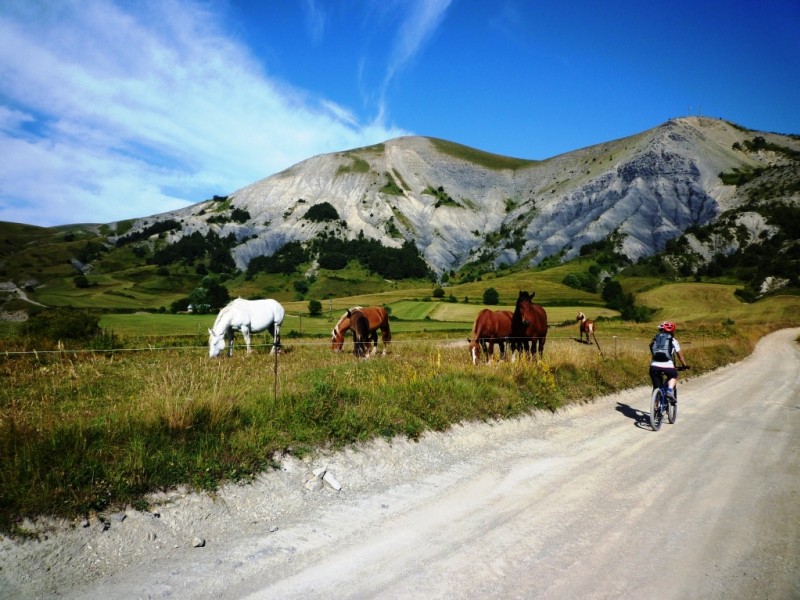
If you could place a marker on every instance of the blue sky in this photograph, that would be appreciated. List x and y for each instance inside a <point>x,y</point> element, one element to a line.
<point>114,110</point>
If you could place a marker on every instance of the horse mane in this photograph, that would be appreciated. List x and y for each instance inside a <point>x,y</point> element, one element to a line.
<point>342,318</point>
<point>223,313</point>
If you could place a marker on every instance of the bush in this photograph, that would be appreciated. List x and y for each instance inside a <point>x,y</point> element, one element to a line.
<point>180,305</point>
<point>314,308</point>
<point>62,324</point>
<point>582,281</point>
<point>211,294</point>
<point>286,260</point>
<point>324,211</point>
<point>333,261</point>
<point>491,296</point>
<point>240,215</point>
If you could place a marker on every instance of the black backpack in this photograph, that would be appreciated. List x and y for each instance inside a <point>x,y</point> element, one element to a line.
<point>661,347</point>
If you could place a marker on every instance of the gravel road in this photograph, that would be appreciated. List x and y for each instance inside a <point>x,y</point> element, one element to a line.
<point>585,503</point>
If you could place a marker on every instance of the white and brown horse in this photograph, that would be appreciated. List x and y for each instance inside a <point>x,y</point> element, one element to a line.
<point>585,327</point>
<point>377,317</point>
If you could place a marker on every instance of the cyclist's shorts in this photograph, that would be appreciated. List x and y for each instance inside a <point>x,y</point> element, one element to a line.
<point>655,374</point>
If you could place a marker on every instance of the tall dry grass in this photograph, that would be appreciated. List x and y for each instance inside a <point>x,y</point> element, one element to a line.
<point>82,433</point>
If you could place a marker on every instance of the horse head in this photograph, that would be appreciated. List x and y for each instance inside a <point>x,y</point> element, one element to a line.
<point>580,317</point>
<point>524,309</point>
<point>474,350</point>
<point>337,339</point>
<point>337,334</point>
<point>216,343</point>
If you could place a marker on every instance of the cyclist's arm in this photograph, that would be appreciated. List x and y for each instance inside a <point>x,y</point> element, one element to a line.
<point>680,357</point>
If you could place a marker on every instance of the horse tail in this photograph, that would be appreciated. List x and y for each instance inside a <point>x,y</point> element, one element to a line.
<point>386,331</point>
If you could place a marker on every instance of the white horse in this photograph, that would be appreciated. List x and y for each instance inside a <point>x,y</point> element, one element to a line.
<point>247,316</point>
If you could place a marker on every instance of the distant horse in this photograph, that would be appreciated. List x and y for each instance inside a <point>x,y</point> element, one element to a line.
<point>528,325</point>
<point>490,327</point>
<point>247,316</point>
<point>586,327</point>
<point>378,318</point>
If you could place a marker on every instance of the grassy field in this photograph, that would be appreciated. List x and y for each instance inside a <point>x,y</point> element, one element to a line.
<point>408,316</point>
<point>82,432</point>
<point>698,301</point>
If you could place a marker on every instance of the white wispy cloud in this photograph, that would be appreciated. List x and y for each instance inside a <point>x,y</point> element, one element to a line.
<point>111,111</point>
<point>419,21</point>
<point>315,19</point>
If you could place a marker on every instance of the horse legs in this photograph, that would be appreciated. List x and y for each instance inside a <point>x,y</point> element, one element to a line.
<point>275,330</point>
<point>276,338</point>
<point>374,340</point>
<point>246,335</point>
<point>229,340</point>
<point>487,349</point>
<point>386,336</point>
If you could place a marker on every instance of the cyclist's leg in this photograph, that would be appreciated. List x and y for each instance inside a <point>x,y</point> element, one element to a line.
<point>672,375</point>
<point>655,376</point>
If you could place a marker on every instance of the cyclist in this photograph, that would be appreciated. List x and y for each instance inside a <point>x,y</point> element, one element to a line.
<point>662,348</point>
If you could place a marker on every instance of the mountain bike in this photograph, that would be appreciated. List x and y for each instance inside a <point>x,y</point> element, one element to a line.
<point>660,404</point>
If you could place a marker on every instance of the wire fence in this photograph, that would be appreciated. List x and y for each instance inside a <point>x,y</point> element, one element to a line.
<point>611,341</point>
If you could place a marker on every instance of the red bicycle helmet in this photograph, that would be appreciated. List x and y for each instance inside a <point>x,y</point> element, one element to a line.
<point>667,326</point>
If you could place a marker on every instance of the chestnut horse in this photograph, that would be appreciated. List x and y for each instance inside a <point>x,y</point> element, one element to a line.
<point>378,318</point>
<point>490,327</point>
<point>528,325</point>
<point>363,337</point>
<point>586,327</point>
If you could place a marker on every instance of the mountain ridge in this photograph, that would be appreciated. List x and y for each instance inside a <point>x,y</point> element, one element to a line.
<point>460,205</point>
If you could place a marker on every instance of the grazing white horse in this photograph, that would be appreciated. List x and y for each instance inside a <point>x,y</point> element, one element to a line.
<point>248,316</point>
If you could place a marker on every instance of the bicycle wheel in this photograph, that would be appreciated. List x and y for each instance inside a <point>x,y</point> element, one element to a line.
<point>656,415</point>
<point>672,409</point>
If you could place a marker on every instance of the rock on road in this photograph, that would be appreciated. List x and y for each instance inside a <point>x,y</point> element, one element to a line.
<point>585,503</point>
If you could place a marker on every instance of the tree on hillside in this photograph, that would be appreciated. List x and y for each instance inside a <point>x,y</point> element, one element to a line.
<point>314,308</point>
<point>491,296</point>
<point>324,211</point>
<point>210,296</point>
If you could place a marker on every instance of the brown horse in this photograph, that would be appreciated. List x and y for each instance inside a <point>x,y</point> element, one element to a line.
<point>586,327</point>
<point>490,327</point>
<point>528,325</point>
<point>362,336</point>
<point>378,318</point>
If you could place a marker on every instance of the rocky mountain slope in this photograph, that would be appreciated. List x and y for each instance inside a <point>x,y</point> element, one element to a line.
<point>460,205</point>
